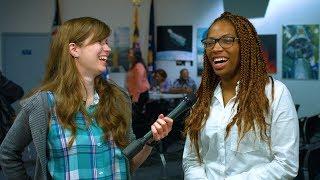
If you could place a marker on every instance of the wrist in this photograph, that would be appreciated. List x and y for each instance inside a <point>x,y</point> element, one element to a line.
<point>152,143</point>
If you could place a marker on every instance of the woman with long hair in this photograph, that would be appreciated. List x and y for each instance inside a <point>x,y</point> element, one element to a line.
<point>244,124</point>
<point>78,121</point>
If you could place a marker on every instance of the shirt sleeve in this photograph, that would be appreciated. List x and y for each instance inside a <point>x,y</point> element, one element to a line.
<point>176,84</point>
<point>284,142</point>
<point>193,170</point>
<point>17,138</point>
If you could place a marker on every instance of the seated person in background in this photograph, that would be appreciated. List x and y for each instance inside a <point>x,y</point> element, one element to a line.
<point>160,81</point>
<point>184,84</point>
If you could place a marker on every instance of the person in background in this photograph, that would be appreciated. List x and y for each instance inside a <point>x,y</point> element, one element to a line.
<point>10,92</point>
<point>138,87</point>
<point>184,84</point>
<point>136,80</point>
<point>78,121</point>
<point>244,124</point>
<point>160,81</point>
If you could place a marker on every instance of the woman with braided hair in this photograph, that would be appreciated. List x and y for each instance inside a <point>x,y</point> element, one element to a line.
<point>244,124</point>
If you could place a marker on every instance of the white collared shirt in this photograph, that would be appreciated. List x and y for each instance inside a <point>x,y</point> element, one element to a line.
<point>252,159</point>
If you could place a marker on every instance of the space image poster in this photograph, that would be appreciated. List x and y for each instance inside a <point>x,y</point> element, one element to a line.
<point>201,34</point>
<point>300,53</point>
<point>174,43</point>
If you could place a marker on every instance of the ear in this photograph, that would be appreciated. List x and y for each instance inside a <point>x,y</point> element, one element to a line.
<point>74,50</point>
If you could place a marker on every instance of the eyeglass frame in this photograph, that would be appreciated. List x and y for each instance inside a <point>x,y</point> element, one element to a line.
<point>215,40</point>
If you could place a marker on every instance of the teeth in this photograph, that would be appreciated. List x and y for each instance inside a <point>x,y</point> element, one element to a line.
<point>103,58</point>
<point>220,60</point>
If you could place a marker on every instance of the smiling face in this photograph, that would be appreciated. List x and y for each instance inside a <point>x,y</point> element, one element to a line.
<point>92,57</point>
<point>224,61</point>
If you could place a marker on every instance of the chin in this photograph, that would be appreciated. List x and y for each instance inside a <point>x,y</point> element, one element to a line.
<point>102,69</point>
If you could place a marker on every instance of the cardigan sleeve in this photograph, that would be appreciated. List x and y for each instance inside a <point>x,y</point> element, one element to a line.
<point>17,138</point>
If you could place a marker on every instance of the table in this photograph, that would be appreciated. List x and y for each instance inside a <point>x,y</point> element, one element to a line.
<point>167,96</point>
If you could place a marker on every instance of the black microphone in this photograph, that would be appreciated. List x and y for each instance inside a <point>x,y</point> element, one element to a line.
<point>133,148</point>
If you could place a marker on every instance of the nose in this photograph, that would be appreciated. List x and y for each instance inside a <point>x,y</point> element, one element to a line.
<point>107,48</point>
<point>217,47</point>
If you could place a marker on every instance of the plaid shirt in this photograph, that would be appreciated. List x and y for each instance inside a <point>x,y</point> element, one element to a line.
<point>89,157</point>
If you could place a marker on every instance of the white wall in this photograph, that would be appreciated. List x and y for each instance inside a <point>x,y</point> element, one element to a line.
<point>37,15</point>
<point>291,12</point>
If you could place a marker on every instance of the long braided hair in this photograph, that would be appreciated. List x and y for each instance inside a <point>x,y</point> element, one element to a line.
<point>253,104</point>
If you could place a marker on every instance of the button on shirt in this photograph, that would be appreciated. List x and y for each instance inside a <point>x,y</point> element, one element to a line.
<point>252,158</point>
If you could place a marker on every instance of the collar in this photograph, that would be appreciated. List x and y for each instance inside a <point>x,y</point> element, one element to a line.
<point>218,92</point>
<point>96,98</point>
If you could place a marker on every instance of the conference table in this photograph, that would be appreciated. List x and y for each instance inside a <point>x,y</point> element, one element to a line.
<point>164,96</point>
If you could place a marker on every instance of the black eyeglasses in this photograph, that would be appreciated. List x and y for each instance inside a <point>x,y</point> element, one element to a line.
<point>225,42</point>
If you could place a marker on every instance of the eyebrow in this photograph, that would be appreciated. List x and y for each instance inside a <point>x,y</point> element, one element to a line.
<point>222,36</point>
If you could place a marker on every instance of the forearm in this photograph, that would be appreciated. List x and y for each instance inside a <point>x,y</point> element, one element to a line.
<point>140,157</point>
<point>277,169</point>
<point>177,90</point>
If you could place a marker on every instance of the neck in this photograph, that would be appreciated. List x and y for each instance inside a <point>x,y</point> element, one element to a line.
<point>229,84</point>
<point>88,89</point>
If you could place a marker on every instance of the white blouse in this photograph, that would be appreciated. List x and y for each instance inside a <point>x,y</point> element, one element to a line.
<point>253,158</point>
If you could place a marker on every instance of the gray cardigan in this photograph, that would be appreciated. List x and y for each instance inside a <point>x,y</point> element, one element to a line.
<point>31,124</point>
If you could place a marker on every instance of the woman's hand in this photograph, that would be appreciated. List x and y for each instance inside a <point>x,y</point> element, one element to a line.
<point>161,127</point>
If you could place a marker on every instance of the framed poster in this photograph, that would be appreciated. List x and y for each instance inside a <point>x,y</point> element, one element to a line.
<point>300,52</point>
<point>269,50</point>
<point>119,55</point>
<point>201,34</point>
<point>174,43</point>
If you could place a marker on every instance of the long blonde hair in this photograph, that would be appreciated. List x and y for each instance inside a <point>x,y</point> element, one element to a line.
<point>63,79</point>
<point>253,103</point>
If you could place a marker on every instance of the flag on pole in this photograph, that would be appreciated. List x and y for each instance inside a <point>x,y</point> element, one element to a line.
<point>151,45</point>
<point>57,19</point>
<point>136,34</point>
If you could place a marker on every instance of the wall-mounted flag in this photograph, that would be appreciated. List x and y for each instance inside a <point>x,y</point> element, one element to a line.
<point>136,34</point>
<point>151,45</point>
<point>57,19</point>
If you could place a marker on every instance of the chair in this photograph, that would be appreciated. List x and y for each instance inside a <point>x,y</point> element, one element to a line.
<point>297,107</point>
<point>311,129</point>
<point>311,163</point>
<point>302,122</point>
<point>154,108</point>
<point>140,124</point>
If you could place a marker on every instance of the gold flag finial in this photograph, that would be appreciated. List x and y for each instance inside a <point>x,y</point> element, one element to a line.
<point>136,2</point>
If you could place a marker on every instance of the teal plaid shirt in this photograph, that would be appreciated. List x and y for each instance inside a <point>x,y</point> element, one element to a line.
<point>89,157</point>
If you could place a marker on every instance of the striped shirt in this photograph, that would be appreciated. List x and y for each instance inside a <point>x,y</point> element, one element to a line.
<point>90,156</point>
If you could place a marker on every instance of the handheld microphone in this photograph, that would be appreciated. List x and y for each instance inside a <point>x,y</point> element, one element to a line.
<point>133,148</point>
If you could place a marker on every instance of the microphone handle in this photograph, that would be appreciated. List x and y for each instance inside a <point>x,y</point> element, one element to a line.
<point>135,147</point>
